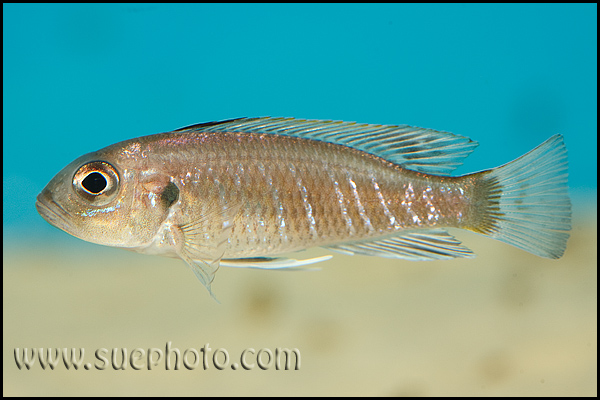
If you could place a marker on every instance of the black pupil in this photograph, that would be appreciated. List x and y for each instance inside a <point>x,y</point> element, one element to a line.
<point>94,182</point>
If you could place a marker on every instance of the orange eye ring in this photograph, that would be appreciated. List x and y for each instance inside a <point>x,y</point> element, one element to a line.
<point>96,182</point>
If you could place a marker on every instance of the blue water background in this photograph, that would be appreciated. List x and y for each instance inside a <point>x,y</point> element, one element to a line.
<point>80,77</point>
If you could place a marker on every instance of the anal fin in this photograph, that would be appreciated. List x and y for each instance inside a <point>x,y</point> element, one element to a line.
<point>415,245</point>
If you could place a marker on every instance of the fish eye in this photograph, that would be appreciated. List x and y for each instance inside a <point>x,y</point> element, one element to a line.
<point>96,182</point>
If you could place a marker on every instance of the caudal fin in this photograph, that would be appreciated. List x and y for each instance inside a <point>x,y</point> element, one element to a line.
<point>528,200</point>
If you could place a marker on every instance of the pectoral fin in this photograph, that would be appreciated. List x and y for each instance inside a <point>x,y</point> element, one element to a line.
<point>204,270</point>
<point>199,248</point>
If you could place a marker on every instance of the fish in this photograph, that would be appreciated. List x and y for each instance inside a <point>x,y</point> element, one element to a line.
<point>242,192</point>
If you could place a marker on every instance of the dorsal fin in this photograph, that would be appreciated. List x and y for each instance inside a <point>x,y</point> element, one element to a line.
<point>202,125</point>
<point>418,149</point>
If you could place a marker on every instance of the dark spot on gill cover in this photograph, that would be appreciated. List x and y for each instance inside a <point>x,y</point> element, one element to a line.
<point>169,195</point>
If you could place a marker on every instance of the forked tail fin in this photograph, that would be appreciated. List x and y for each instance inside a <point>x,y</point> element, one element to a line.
<point>528,200</point>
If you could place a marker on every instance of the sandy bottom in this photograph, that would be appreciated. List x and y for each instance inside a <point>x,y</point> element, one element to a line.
<point>504,323</point>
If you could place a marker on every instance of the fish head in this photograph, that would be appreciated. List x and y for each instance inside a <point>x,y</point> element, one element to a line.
<point>108,199</point>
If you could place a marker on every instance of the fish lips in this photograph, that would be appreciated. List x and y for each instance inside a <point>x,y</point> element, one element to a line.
<point>51,211</point>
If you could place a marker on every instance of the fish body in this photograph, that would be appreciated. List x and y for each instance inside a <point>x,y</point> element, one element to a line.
<point>241,192</point>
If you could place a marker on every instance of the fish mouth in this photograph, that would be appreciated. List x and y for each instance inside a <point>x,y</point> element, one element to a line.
<point>51,211</point>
